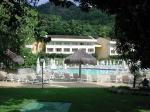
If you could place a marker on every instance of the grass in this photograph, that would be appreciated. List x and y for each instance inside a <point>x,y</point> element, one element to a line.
<point>81,99</point>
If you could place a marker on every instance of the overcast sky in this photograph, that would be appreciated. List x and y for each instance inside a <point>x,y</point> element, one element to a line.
<point>42,2</point>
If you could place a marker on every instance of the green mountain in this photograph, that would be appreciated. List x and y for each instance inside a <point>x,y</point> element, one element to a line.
<point>73,21</point>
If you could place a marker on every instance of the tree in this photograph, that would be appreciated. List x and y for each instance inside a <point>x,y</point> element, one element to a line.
<point>17,23</point>
<point>104,31</point>
<point>29,58</point>
<point>10,27</point>
<point>132,27</point>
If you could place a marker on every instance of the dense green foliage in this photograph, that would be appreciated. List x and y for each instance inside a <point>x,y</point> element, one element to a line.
<point>131,27</point>
<point>16,25</point>
<point>19,24</point>
<point>29,58</point>
<point>82,100</point>
<point>73,21</point>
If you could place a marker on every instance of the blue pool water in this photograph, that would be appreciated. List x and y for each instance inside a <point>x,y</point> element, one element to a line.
<point>88,71</point>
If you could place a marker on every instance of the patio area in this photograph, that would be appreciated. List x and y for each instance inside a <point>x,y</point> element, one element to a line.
<point>58,84</point>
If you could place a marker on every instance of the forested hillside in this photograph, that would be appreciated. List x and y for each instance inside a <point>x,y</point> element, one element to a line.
<point>73,21</point>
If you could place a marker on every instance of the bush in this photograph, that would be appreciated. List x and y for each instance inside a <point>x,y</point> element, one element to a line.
<point>29,58</point>
<point>128,90</point>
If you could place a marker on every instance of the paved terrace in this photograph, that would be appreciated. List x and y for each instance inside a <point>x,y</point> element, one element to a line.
<point>54,84</point>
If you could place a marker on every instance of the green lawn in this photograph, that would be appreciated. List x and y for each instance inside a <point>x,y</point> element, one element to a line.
<point>81,99</point>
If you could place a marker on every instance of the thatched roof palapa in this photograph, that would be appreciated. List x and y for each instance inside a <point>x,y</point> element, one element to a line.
<point>15,58</point>
<point>80,57</point>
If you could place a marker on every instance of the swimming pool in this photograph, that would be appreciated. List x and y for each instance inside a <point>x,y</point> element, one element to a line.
<point>87,71</point>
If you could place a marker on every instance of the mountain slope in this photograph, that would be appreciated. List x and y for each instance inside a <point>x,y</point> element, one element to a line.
<point>95,20</point>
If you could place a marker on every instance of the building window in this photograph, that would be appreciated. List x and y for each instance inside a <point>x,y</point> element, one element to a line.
<point>112,51</point>
<point>90,50</point>
<point>50,43</point>
<point>58,49</point>
<point>50,49</point>
<point>113,45</point>
<point>89,43</point>
<point>75,43</point>
<point>66,43</point>
<point>74,50</point>
<point>84,50</point>
<point>58,43</point>
<point>66,49</point>
<point>82,43</point>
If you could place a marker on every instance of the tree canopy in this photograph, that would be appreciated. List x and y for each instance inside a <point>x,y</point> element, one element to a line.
<point>19,23</point>
<point>132,26</point>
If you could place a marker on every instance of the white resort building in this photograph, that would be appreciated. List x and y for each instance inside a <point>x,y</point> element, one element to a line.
<point>108,48</point>
<point>112,48</point>
<point>68,44</point>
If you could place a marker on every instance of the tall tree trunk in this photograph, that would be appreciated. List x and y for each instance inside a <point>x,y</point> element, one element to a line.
<point>134,81</point>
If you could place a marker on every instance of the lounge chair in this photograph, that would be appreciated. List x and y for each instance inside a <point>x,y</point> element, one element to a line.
<point>84,77</point>
<point>94,78</point>
<point>51,76</point>
<point>126,79</point>
<point>113,78</point>
<point>16,78</point>
<point>23,78</point>
<point>56,76</point>
<point>119,78</point>
<point>31,79</point>
<point>2,75</point>
<point>47,76</point>
<point>75,77</point>
<point>67,77</point>
<point>39,80</point>
<point>10,77</point>
<point>103,78</point>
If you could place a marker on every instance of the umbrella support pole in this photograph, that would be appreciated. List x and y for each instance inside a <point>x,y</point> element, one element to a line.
<point>80,71</point>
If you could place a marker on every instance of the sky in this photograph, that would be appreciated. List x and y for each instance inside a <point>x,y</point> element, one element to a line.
<point>42,2</point>
<point>45,1</point>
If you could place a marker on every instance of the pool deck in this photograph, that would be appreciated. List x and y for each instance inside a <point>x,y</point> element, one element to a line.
<point>55,84</point>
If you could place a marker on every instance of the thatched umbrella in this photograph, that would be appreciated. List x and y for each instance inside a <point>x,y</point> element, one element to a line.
<point>80,57</point>
<point>15,58</point>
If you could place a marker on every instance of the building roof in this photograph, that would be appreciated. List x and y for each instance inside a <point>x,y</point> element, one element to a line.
<point>70,37</point>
